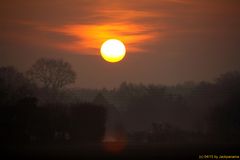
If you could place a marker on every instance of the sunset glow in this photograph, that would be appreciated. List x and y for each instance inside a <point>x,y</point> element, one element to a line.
<point>87,38</point>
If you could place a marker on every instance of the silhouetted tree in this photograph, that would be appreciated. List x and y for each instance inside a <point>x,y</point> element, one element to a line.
<point>225,115</point>
<point>13,86</point>
<point>228,84</point>
<point>52,73</point>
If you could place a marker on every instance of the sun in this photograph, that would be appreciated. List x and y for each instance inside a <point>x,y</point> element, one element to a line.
<point>113,50</point>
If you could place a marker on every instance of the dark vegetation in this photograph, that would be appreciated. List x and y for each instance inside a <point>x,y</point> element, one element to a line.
<point>36,110</point>
<point>26,123</point>
<point>204,112</point>
<point>27,117</point>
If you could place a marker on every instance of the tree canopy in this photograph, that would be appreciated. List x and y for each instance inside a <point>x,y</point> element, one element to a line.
<point>52,73</point>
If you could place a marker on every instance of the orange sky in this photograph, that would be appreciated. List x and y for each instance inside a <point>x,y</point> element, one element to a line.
<point>173,32</point>
<point>86,24</point>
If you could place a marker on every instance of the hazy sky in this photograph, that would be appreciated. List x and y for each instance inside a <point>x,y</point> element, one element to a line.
<point>167,41</point>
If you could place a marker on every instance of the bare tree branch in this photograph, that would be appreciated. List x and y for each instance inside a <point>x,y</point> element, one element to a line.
<point>52,73</point>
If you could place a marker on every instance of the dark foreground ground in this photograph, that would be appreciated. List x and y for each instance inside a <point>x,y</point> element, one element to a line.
<point>114,151</point>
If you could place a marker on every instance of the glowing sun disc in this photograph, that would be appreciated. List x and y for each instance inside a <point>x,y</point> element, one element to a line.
<point>113,50</point>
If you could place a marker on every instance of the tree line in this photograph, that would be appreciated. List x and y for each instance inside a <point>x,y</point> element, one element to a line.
<point>36,106</point>
<point>202,111</point>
